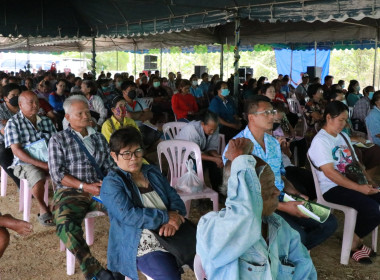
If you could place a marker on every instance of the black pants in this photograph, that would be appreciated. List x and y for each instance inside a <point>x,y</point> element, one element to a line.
<point>6,158</point>
<point>301,150</point>
<point>228,132</point>
<point>367,206</point>
<point>215,174</point>
<point>312,233</point>
<point>302,180</point>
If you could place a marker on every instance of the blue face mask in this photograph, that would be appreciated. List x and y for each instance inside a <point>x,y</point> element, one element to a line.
<point>225,92</point>
<point>344,101</point>
<point>358,88</point>
<point>104,88</point>
<point>370,95</point>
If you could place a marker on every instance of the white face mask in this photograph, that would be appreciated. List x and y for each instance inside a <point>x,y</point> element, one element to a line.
<point>194,83</point>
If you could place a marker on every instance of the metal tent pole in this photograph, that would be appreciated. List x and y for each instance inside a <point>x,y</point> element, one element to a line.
<point>315,53</point>
<point>161,62</point>
<point>375,59</point>
<point>117,60</point>
<point>28,54</point>
<point>221,61</point>
<point>93,64</point>
<point>135,49</point>
<point>237,56</point>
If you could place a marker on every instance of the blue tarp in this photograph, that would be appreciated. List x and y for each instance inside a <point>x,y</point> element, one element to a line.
<point>301,60</point>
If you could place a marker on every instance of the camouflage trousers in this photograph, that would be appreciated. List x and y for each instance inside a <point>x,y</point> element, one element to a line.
<point>70,209</point>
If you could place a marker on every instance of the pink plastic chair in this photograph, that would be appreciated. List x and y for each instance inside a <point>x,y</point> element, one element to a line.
<point>4,182</point>
<point>171,129</point>
<point>176,153</point>
<point>26,197</point>
<point>222,144</point>
<point>349,221</point>
<point>198,269</point>
<point>89,228</point>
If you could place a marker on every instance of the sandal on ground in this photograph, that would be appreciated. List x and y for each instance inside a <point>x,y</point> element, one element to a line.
<point>371,253</point>
<point>361,256</point>
<point>44,218</point>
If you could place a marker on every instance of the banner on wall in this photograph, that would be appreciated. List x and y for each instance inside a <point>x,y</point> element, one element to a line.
<point>296,63</point>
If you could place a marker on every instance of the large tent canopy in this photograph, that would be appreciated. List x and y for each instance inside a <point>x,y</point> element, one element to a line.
<point>136,25</point>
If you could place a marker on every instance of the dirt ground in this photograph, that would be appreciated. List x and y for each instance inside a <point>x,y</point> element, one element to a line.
<point>38,257</point>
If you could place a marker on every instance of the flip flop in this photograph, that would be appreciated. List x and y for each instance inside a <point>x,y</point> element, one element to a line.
<point>369,251</point>
<point>361,257</point>
<point>44,218</point>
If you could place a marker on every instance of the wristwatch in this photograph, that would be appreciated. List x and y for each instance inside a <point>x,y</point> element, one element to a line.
<point>81,186</point>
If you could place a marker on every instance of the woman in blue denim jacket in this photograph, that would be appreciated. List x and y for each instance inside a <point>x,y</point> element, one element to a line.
<point>131,244</point>
<point>246,240</point>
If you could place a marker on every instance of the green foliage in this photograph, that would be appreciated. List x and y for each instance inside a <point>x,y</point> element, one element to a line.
<point>200,49</point>
<point>353,65</point>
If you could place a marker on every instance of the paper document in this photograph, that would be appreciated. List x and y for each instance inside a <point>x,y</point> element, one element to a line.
<point>314,210</point>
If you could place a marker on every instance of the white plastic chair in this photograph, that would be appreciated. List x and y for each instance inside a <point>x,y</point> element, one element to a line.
<point>350,215</point>
<point>369,137</point>
<point>176,153</point>
<point>198,269</point>
<point>350,111</point>
<point>295,106</point>
<point>148,101</point>
<point>4,182</point>
<point>89,228</point>
<point>171,129</point>
<point>222,144</point>
<point>26,197</point>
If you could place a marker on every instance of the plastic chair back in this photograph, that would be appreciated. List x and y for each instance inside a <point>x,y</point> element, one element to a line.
<point>295,106</point>
<point>198,269</point>
<point>148,101</point>
<point>369,137</point>
<point>171,129</point>
<point>222,144</point>
<point>176,153</point>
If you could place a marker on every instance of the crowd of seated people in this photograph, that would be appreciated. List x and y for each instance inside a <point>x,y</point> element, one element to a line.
<point>97,128</point>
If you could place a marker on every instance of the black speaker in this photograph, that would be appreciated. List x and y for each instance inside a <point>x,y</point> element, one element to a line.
<point>243,71</point>
<point>150,62</point>
<point>199,70</point>
<point>313,72</point>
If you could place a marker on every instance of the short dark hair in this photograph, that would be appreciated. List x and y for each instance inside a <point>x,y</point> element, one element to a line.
<point>334,109</point>
<point>253,104</point>
<point>209,116</point>
<point>8,88</point>
<point>204,75</point>
<point>312,89</point>
<point>328,77</point>
<point>218,86</point>
<point>91,84</point>
<point>265,87</point>
<point>127,84</point>
<point>375,98</point>
<point>115,100</point>
<point>125,137</point>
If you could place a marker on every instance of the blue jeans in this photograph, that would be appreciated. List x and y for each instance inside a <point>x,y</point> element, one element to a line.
<point>312,232</point>
<point>159,266</point>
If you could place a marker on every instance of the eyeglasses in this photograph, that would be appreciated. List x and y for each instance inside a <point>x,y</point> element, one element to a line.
<point>128,155</point>
<point>266,112</point>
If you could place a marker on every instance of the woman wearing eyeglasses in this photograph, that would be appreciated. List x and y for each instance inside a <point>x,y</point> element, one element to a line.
<point>131,245</point>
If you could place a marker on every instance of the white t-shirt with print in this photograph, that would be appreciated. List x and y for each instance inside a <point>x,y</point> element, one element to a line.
<point>326,148</point>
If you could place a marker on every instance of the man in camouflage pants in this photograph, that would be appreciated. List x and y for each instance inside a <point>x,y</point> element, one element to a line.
<point>77,180</point>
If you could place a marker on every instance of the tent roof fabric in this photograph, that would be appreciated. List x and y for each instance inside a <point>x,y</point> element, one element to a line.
<point>138,25</point>
<point>130,18</point>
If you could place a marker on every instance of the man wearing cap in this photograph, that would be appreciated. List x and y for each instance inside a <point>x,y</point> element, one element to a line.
<point>301,90</point>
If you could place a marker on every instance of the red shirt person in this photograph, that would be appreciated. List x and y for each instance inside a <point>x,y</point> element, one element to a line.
<point>184,104</point>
